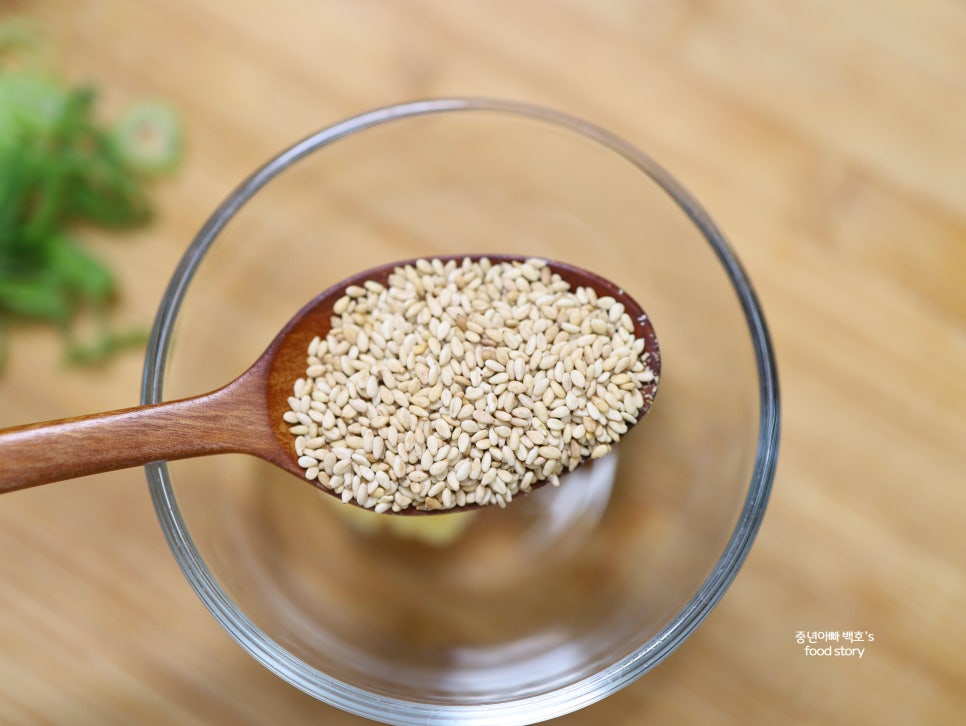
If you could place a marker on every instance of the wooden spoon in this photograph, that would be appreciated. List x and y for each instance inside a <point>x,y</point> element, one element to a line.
<point>244,416</point>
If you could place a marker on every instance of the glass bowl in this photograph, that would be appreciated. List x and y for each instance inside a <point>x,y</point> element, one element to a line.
<point>505,616</point>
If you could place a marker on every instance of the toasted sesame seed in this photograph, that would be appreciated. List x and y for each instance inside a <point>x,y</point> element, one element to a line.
<point>354,291</point>
<point>342,466</point>
<point>463,469</point>
<point>439,468</point>
<point>463,383</point>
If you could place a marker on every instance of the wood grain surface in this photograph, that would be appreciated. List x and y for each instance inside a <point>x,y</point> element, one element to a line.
<point>828,139</point>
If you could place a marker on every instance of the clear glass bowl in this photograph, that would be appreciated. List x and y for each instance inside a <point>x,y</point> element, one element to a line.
<point>501,616</point>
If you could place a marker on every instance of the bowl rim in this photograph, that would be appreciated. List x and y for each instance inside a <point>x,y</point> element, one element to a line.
<point>527,709</point>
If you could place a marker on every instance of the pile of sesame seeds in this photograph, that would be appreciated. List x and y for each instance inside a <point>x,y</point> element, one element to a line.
<point>464,382</point>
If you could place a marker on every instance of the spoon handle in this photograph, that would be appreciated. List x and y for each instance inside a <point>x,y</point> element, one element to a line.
<point>226,420</point>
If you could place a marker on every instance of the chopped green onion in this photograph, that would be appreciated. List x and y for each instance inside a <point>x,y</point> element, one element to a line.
<point>60,168</point>
<point>148,138</point>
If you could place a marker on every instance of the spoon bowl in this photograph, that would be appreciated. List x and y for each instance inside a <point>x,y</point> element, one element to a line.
<point>246,415</point>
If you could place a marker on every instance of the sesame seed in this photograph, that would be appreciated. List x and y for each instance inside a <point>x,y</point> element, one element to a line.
<point>342,466</point>
<point>454,384</point>
<point>439,468</point>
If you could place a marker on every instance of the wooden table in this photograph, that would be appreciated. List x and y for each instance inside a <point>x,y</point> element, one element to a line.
<point>828,139</point>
